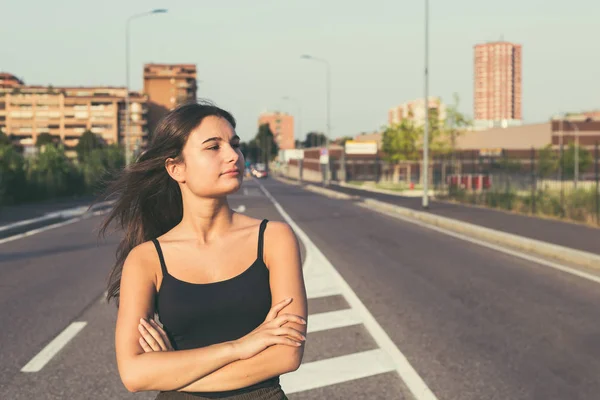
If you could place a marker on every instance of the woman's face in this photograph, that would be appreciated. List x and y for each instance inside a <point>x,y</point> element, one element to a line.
<point>213,162</point>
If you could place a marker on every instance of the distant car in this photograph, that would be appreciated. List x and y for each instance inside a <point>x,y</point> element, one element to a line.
<point>259,171</point>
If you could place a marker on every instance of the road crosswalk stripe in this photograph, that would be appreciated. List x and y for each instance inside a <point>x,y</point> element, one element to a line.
<point>332,319</point>
<point>336,370</point>
<point>322,279</point>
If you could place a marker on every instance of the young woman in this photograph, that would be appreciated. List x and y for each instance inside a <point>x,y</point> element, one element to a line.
<point>227,289</point>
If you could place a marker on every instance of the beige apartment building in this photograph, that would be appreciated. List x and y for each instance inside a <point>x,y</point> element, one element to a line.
<point>415,111</point>
<point>167,86</point>
<point>67,112</point>
<point>282,126</point>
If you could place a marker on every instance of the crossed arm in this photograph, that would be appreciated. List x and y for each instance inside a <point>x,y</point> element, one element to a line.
<point>217,367</point>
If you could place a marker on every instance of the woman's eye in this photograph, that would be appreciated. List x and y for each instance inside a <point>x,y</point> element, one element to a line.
<point>214,148</point>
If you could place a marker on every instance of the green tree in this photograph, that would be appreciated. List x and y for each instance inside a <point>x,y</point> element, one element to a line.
<point>400,143</point>
<point>4,139</point>
<point>11,175</point>
<point>455,123</point>
<point>86,144</point>
<point>100,165</point>
<point>438,140</point>
<point>547,162</point>
<point>585,161</point>
<point>44,138</point>
<point>254,151</point>
<point>114,157</point>
<point>50,171</point>
<point>315,139</point>
<point>265,142</point>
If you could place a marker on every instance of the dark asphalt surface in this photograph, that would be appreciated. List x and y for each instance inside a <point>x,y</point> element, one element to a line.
<point>567,234</point>
<point>475,323</point>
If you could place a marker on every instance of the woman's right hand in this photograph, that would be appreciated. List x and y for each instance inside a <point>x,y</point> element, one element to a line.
<point>271,332</point>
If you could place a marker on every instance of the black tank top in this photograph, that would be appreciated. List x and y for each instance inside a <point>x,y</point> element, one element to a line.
<point>200,315</point>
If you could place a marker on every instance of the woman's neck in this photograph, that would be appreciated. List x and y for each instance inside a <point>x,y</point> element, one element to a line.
<point>205,219</point>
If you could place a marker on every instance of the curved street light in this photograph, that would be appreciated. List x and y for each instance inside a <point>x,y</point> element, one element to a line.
<point>328,85</point>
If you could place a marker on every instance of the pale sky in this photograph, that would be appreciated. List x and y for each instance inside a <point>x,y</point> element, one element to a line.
<point>248,51</point>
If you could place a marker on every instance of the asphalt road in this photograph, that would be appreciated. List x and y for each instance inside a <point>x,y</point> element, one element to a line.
<point>473,322</point>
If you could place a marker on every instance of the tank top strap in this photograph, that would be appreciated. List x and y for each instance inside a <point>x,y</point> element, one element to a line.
<point>261,238</point>
<point>163,265</point>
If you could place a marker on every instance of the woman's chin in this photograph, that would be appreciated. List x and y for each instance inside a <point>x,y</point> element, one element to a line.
<point>231,187</point>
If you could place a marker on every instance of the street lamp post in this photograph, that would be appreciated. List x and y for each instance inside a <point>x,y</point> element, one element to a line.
<point>425,202</point>
<point>576,156</point>
<point>328,85</point>
<point>127,116</point>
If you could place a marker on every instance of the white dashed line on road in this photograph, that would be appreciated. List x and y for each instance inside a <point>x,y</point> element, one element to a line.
<point>43,357</point>
<point>321,280</point>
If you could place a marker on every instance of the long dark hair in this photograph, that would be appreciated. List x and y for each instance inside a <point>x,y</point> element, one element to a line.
<point>147,200</point>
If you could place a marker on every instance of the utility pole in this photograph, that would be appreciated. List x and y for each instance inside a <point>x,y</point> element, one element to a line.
<point>425,171</point>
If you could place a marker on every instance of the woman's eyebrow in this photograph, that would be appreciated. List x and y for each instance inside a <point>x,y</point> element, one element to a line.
<point>218,139</point>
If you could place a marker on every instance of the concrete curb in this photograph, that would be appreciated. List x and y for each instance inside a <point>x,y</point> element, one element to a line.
<point>50,218</point>
<point>524,244</point>
<point>405,193</point>
<point>531,246</point>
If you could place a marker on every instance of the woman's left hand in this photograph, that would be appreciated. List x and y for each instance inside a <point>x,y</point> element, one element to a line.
<point>154,338</point>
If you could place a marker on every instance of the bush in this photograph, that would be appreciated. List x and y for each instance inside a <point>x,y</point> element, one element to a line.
<point>579,205</point>
<point>50,173</point>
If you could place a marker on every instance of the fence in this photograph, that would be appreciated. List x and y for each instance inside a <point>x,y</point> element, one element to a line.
<point>538,182</point>
<point>541,184</point>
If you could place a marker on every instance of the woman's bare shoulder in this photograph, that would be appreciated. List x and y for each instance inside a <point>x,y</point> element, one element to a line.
<point>143,258</point>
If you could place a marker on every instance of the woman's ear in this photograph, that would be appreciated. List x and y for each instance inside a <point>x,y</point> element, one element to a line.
<point>175,169</point>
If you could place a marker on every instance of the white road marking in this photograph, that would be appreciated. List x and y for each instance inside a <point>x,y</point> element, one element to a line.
<point>333,319</point>
<point>316,288</point>
<point>41,359</point>
<point>407,373</point>
<point>337,370</point>
<point>48,227</point>
<point>514,253</point>
<point>245,190</point>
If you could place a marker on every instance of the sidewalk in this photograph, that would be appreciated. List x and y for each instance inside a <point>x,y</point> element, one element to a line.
<point>20,212</point>
<point>575,236</point>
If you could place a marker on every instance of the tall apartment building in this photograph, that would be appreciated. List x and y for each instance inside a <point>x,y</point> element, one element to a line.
<point>497,85</point>
<point>67,112</point>
<point>282,126</point>
<point>415,111</point>
<point>167,86</point>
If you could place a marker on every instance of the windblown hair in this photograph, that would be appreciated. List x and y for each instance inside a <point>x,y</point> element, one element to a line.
<point>148,201</point>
